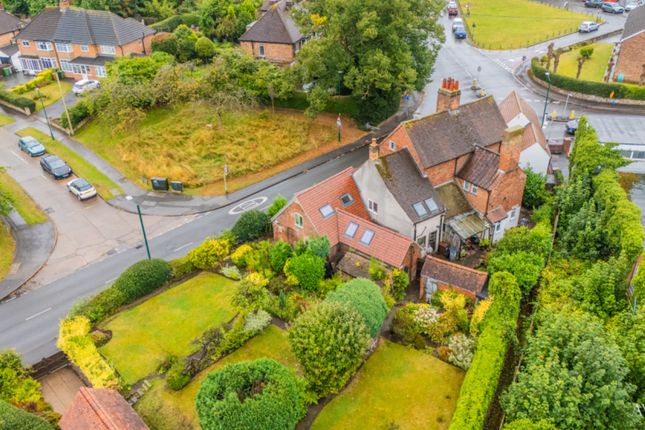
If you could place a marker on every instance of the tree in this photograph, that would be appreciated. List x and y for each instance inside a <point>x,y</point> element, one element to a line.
<point>585,54</point>
<point>365,297</point>
<point>261,394</point>
<point>204,48</point>
<point>573,376</point>
<point>381,49</point>
<point>252,225</point>
<point>534,189</point>
<point>329,341</point>
<point>305,270</point>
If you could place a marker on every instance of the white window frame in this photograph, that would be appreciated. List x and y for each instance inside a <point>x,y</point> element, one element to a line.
<point>261,51</point>
<point>372,206</point>
<point>108,49</point>
<point>101,72</point>
<point>25,43</point>
<point>43,46</point>
<point>392,145</point>
<point>64,47</point>
<point>466,185</point>
<point>298,220</point>
<point>85,48</point>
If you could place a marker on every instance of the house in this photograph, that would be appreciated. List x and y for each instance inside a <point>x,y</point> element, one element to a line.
<point>100,409</point>
<point>534,150</point>
<point>439,275</point>
<point>80,41</point>
<point>628,62</point>
<point>334,208</point>
<point>274,36</point>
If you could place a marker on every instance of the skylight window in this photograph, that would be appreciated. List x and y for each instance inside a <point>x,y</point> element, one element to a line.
<point>431,204</point>
<point>367,237</point>
<point>420,209</point>
<point>351,229</point>
<point>327,211</point>
<point>346,199</point>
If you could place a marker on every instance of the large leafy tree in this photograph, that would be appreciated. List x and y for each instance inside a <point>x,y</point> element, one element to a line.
<point>379,49</point>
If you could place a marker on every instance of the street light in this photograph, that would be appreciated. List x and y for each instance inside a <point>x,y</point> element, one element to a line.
<point>546,100</point>
<point>51,132</point>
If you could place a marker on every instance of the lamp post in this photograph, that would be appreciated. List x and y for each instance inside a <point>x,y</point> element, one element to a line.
<point>546,100</point>
<point>51,132</point>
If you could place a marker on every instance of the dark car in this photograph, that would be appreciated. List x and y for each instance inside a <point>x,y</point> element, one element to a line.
<point>31,146</point>
<point>593,3</point>
<point>572,126</point>
<point>612,8</point>
<point>460,32</point>
<point>55,167</point>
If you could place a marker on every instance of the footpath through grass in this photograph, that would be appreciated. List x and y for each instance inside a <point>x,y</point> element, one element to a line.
<point>512,24</point>
<point>7,248</point>
<point>145,335</point>
<point>164,409</point>
<point>106,188</point>
<point>396,386</point>
<point>20,200</point>
<point>593,69</point>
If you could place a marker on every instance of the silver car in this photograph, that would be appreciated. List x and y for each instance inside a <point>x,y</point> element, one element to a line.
<point>82,189</point>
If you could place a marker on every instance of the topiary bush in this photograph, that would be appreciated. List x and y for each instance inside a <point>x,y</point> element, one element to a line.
<point>142,278</point>
<point>306,271</point>
<point>252,225</point>
<point>260,395</point>
<point>364,296</point>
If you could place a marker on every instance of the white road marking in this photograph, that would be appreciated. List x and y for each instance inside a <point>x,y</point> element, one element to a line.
<point>182,247</point>
<point>19,158</point>
<point>38,314</point>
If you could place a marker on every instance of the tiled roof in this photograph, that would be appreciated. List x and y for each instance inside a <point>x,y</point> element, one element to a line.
<point>100,409</point>
<point>275,26</point>
<point>635,23</point>
<point>511,107</point>
<point>444,136</point>
<point>453,274</point>
<point>385,245</point>
<point>453,199</point>
<point>481,169</point>
<point>8,22</point>
<point>83,26</point>
<point>406,183</point>
<point>497,214</point>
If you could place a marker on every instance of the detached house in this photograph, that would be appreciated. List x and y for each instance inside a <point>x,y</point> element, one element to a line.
<point>80,41</point>
<point>629,55</point>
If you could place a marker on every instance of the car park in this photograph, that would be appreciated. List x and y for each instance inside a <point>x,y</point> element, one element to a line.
<point>31,146</point>
<point>593,3</point>
<point>80,87</point>
<point>572,126</point>
<point>460,32</point>
<point>588,27</point>
<point>612,8</point>
<point>82,189</point>
<point>452,9</point>
<point>457,22</point>
<point>55,167</point>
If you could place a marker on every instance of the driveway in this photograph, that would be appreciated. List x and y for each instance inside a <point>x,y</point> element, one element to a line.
<point>87,231</point>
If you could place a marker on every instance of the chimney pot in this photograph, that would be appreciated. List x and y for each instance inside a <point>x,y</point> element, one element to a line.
<point>374,150</point>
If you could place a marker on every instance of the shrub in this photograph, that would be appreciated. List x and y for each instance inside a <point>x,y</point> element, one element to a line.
<point>176,378</point>
<point>364,296</point>
<point>329,341</point>
<point>13,418</point>
<point>238,257</point>
<point>278,203</point>
<point>319,246</point>
<point>462,349</point>
<point>19,101</point>
<point>252,225</point>
<point>306,271</point>
<point>280,253</point>
<point>210,253</point>
<point>231,272</point>
<point>260,394</point>
<point>377,270</point>
<point>142,278</point>
<point>251,292</point>
<point>397,282</point>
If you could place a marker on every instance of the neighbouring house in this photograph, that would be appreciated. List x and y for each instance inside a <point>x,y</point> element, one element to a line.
<point>80,41</point>
<point>9,27</point>
<point>334,208</point>
<point>439,275</point>
<point>100,409</point>
<point>628,61</point>
<point>274,36</point>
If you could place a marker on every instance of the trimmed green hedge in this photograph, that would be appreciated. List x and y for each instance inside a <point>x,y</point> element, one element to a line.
<point>169,24</point>
<point>12,418</point>
<point>601,89</point>
<point>365,297</point>
<point>19,101</point>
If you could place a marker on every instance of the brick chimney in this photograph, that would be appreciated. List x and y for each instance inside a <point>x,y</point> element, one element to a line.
<point>374,150</point>
<point>509,152</point>
<point>449,95</point>
<point>64,4</point>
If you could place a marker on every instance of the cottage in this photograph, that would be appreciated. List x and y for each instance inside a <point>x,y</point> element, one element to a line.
<point>439,275</point>
<point>628,62</point>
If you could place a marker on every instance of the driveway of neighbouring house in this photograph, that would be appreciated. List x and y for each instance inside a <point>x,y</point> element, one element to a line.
<point>87,231</point>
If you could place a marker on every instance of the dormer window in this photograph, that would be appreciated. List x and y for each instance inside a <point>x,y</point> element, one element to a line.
<point>346,199</point>
<point>326,211</point>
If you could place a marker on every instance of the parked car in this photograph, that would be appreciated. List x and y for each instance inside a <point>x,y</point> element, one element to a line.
<point>85,85</point>
<point>31,146</point>
<point>460,32</point>
<point>612,8</point>
<point>457,22</point>
<point>572,126</point>
<point>452,9</point>
<point>588,27</point>
<point>55,167</point>
<point>593,3</point>
<point>82,189</point>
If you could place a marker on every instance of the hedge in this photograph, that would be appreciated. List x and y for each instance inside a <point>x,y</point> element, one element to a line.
<point>365,297</point>
<point>12,418</point>
<point>261,394</point>
<point>18,101</point>
<point>482,378</point>
<point>601,89</point>
<point>75,341</point>
<point>169,24</point>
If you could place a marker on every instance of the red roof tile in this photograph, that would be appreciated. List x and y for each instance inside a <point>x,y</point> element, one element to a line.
<point>100,409</point>
<point>454,274</point>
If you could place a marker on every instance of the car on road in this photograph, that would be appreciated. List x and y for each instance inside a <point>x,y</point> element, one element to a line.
<point>460,32</point>
<point>452,9</point>
<point>572,126</point>
<point>84,85</point>
<point>588,27</point>
<point>55,167</point>
<point>593,3</point>
<point>457,22</point>
<point>31,146</point>
<point>612,8</point>
<point>82,189</point>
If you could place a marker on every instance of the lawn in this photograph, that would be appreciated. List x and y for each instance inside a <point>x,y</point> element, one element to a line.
<point>50,92</point>
<point>20,200</point>
<point>5,120</point>
<point>523,22</point>
<point>593,69</point>
<point>81,167</point>
<point>7,248</point>
<point>164,409</point>
<point>145,335</point>
<point>189,144</point>
<point>397,386</point>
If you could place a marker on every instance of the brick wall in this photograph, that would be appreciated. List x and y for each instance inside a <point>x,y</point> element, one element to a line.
<point>276,52</point>
<point>284,226</point>
<point>509,191</point>
<point>631,59</point>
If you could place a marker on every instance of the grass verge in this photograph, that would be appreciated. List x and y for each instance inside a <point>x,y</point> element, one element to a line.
<point>81,167</point>
<point>524,22</point>
<point>20,200</point>
<point>50,92</point>
<point>164,409</point>
<point>593,69</point>
<point>145,335</point>
<point>398,387</point>
<point>5,120</point>
<point>7,248</point>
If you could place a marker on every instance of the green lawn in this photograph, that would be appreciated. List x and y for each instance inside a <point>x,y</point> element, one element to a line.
<point>164,409</point>
<point>51,93</point>
<point>397,385</point>
<point>20,200</point>
<point>143,336</point>
<point>7,248</point>
<point>593,69</point>
<point>81,167</point>
<point>188,144</point>
<point>5,120</point>
<point>508,24</point>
